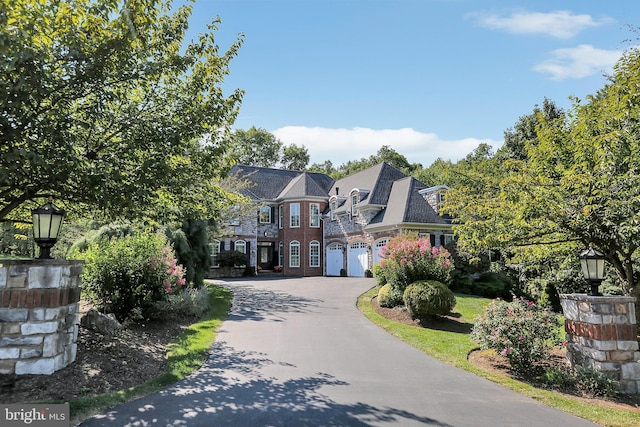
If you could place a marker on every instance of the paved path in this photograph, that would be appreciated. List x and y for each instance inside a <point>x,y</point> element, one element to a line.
<point>297,352</point>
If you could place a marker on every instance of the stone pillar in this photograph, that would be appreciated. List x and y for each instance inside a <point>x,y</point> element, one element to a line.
<point>602,334</point>
<point>38,315</point>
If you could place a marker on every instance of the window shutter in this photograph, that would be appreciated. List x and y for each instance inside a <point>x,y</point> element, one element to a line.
<point>274,214</point>
<point>232,245</point>
<point>432,240</point>
<point>221,245</point>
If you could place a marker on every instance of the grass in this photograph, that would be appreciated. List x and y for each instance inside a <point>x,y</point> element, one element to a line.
<point>184,356</point>
<point>453,348</point>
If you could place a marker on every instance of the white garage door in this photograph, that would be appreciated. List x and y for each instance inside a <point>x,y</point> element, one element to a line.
<point>357,259</point>
<point>377,249</point>
<point>334,259</point>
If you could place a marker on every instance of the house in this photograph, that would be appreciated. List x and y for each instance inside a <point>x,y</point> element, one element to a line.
<point>307,224</point>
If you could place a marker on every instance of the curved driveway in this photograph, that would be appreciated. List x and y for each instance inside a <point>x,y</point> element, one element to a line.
<point>297,352</point>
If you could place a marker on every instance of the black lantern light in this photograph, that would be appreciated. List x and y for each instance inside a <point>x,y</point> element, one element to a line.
<point>47,220</point>
<point>592,263</point>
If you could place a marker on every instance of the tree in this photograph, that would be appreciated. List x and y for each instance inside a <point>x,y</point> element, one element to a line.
<point>105,109</point>
<point>255,147</point>
<point>577,183</point>
<point>295,157</point>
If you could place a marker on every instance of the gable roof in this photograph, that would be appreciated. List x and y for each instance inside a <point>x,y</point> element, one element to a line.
<point>271,184</point>
<point>377,179</point>
<point>407,206</point>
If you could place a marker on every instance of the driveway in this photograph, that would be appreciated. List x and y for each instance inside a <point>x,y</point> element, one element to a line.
<point>297,352</point>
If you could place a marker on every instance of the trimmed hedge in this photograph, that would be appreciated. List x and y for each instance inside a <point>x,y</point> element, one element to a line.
<point>428,298</point>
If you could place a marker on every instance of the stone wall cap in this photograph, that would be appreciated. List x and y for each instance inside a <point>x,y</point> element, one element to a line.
<point>598,299</point>
<point>40,262</point>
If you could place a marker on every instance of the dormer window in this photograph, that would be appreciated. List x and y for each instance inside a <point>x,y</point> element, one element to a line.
<point>355,199</point>
<point>333,205</point>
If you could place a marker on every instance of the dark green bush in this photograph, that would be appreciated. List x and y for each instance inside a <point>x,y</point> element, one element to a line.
<point>493,285</point>
<point>461,282</point>
<point>231,259</point>
<point>388,297</point>
<point>428,298</point>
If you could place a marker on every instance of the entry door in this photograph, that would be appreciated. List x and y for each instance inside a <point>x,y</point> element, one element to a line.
<point>265,256</point>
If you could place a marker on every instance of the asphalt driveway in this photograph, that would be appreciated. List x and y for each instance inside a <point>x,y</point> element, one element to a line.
<point>297,352</point>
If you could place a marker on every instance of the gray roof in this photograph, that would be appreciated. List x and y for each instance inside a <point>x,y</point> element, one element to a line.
<point>377,179</point>
<point>271,184</point>
<point>407,206</point>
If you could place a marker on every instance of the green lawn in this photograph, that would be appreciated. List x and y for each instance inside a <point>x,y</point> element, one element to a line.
<point>453,348</point>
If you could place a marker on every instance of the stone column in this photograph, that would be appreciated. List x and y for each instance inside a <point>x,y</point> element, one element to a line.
<point>38,315</point>
<point>602,334</point>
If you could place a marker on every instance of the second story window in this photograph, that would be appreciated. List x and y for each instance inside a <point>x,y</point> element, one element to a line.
<point>314,215</point>
<point>265,215</point>
<point>354,201</point>
<point>294,215</point>
<point>280,216</point>
<point>333,210</point>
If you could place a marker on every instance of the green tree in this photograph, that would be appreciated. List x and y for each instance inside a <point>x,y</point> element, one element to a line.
<point>578,183</point>
<point>105,108</point>
<point>295,157</point>
<point>255,147</point>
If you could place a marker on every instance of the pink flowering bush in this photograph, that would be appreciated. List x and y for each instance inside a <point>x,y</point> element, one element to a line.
<point>409,258</point>
<point>128,275</point>
<point>520,330</point>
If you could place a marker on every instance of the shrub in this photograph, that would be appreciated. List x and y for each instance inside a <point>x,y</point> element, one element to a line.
<point>388,297</point>
<point>461,282</point>
<point>189,302</point>
<point>519,330</point>
<point>408,258</point>
<point>594,383</point>
<point>428,298</point>
<point>130,274</point>
<point>378,273</point>
<point>492,285</point>
<point>231,258</point>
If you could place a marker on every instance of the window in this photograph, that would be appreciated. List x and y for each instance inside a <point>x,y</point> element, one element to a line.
<point>294,215</point>
<point>354,202</point>
<point>333,210</point>
<point>214,250</point>
<point>281,216</point>
<point>280,253</point>
<point>314,215</point>
<point>314,254</point>
<point>265,215</point>
<point>240,246</point>
<point>448,238</point>
<point>294,254</point>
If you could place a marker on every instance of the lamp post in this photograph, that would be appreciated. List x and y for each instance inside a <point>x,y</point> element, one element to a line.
<point>592,263</point>
<point>47,220</point>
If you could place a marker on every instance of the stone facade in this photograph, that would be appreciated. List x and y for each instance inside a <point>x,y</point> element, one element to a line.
<point>602,334</point>
<point>38,315</point>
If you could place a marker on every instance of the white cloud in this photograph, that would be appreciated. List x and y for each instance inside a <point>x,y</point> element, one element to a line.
<point>342,145</point>
<point>577,62</point>
<point>561,24</point>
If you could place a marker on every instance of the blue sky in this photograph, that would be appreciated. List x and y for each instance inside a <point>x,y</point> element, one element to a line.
<point>429,78</point>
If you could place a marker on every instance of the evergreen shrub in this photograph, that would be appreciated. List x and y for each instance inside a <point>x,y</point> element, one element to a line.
<point>388,297</point>
<point>428,298</point>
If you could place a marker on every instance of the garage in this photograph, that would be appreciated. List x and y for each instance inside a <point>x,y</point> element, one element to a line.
<point>334,259</point>
<point>357,259</point>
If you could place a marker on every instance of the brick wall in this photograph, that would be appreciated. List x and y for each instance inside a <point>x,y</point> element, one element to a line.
<point>38,315</point>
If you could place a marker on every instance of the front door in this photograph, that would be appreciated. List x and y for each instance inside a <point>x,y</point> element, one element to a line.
<point>265,255</point>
